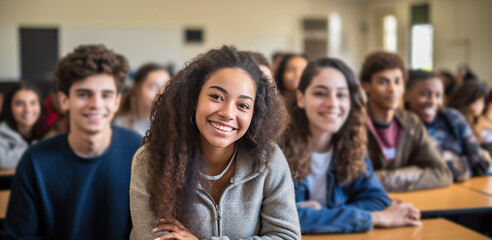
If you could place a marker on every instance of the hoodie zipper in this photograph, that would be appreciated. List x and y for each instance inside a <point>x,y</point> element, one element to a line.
<point>218,219</point>
<point>217,210</point>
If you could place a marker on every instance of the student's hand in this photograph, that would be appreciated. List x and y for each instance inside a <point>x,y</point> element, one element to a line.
<point>175,229</point>
<point>311,203</point>
<point>397,215</point>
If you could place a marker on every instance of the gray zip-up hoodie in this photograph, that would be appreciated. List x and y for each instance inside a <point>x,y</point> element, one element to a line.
<point>255,205</point>
<point>12,146</point>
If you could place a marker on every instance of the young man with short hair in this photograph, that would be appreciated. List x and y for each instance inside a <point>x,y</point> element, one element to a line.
<point>75,185</point>
<point>403,155</point>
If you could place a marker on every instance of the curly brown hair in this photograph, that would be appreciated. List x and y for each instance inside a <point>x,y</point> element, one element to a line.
<point>172,143</point>
<point>297,144</point>
<point>380,61</point>
<point>87,60</point>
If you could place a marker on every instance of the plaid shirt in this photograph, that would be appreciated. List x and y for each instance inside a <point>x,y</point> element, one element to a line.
<point>450,132</point>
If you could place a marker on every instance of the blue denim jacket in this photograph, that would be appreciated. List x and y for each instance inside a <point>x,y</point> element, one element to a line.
<point>349,206</point>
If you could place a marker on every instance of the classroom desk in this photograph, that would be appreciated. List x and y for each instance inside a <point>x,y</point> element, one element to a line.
<point>7,172</point>
<point>431,229</point>
<point>480,184</point>
<point>454,199</point>
<point>4,200</point>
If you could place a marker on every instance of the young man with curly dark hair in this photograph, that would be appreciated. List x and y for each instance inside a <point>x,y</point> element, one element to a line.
<point>75,185</point>
<point>403,155</point>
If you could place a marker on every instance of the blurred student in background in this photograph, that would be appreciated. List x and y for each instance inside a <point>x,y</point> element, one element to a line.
<point>134,112</point>
<point>75,185</point>
<point>263,63</point>
<point>336,190</point>
<point>447,127</point>
<point>18,123</point>
<point>469,99</point>
<point>448,80</point>
<point>401,151</point>
<point>54,118</point>
<point>276,59</point>
<point>289,74</point>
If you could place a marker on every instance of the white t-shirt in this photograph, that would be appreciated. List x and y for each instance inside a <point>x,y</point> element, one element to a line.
<point>316,180</point>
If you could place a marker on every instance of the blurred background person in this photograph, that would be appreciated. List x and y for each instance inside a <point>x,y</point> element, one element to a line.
<point>447,127</point>
<point>469,99</point>
<point>276,59</point>
<point>18,121</point>
<point>263,63</point>
<point>54,118</point>
<point>288,75</point>
<point>135,107</point>
<point>448,80</point>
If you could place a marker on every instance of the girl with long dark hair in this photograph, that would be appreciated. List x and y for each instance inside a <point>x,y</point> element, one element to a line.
<point>209,166</point>
<point>18,122</point>
<point>336,189</point>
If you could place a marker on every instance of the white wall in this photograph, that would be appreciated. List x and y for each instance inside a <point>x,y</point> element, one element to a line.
<point>463,35</point>
<point>151,30</point>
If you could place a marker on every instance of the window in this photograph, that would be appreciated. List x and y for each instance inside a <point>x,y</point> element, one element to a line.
<point>315,37</point>
<point>422,48</point>
<point>335,33</point>
<point>389,33</point>
<point>422,38</point>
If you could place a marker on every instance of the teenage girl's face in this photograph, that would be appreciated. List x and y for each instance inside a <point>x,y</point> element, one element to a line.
<point>476,108</point>
<point>26,108</point>
<point>425,98</point>
<point>293,71</point>
<point>225,108</point>
<point>326,101</point>
<point>150,86</point>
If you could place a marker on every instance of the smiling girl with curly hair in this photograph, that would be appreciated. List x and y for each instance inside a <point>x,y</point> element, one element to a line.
<point>209,166</point>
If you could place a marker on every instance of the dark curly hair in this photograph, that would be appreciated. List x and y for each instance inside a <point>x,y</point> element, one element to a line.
<point>297,145</point>
<point>172,144</point>
<point>87,60</point>
<point>415,76</point>
<point>6,114</point>
<point>279,74</point>
<point>380,61</point>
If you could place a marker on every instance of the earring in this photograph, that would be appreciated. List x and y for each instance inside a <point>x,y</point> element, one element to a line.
<point>192,120</point>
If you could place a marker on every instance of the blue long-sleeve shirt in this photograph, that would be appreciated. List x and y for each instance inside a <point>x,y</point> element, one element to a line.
<point>57,194</point>
<point>349,206</point>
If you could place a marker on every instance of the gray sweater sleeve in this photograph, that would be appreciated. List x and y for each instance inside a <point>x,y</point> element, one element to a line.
<point>11,151</point>
<point>279,212</point>
<point>143,219</point>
